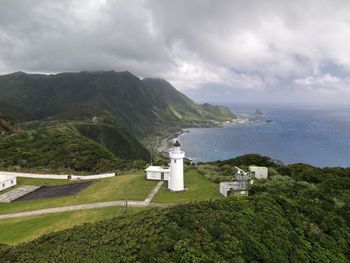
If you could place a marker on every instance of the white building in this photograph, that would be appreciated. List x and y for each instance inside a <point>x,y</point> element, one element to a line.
<point>242,180</point>
<point>176,179</point>
<point>7,181</point>
<point>258,172</point>
<point>158,173</point>
<point>175,174</point>
<point>232,188</point>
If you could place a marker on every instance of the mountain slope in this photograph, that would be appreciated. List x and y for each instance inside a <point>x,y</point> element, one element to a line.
<point>110,110</point>
<point>138,105</point>
<point>55,146</point>
<point>7,125</point>
<point>252,229</point>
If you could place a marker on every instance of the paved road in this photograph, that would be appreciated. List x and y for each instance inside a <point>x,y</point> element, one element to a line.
<point>153,192</point>
<point>130,203</point>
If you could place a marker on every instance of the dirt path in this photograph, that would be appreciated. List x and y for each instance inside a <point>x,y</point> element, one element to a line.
<point>130,203</point>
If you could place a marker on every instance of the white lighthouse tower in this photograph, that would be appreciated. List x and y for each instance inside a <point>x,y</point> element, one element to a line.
<point>176,178</point>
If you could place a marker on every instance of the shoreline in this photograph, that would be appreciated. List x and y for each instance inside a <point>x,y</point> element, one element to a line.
<point>165,143</point>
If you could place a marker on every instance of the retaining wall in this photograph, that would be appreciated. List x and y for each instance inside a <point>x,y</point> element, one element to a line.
<point>59,176</point>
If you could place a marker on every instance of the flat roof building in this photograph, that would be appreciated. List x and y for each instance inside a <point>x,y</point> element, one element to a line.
<point>233,188</point>
<point>258,172</point>
<point>158,173</point>
<point>7,181</point>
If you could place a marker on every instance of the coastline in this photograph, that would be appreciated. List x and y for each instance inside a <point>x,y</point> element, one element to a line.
<point>165,143</point>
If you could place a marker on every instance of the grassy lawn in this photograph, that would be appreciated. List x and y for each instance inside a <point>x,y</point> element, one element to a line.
<point>31,181</point>
<point>198,187</point>
<point>18,230</point>
<point>129,186</point>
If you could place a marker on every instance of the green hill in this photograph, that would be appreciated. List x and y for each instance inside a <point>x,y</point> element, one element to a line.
<point>112,111</point>
<point>7,125</point>
<point>253,229</point>
<point>55,146</point>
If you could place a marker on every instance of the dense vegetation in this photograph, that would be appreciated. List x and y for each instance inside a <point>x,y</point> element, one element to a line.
<point>7,125</point>
<point>255,229</point>
<point>109,111</point>
<point>60,147</point>
<point>300,214</point>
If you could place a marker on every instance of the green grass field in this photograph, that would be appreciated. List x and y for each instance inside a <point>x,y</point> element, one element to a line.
<point>132,186</point>
<point>31,181</point>
<point>198,188</point>
<point>18,230</point>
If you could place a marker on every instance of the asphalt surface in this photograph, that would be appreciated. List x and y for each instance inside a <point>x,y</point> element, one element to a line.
<point>55,191</point>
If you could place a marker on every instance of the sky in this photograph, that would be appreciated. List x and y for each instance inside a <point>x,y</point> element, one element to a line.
<point>272,51</point>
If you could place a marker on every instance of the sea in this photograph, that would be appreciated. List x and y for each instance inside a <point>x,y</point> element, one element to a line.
<point>316,135</point>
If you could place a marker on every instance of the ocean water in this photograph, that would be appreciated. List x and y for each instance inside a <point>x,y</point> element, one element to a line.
<point>313,135</point>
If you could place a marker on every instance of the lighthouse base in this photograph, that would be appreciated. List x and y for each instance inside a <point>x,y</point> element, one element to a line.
<point>177,191</point>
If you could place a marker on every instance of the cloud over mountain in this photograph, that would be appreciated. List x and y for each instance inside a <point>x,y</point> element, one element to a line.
<point>271,49</point>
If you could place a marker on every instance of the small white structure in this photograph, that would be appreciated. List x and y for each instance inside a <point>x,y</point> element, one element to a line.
<point>158,173</point>
<point>258,172</point>
<point>7,181</point>
<point>232,188</point>
<point>175,174</point>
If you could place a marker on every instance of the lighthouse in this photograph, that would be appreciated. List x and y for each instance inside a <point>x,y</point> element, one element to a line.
<point>176,178</point>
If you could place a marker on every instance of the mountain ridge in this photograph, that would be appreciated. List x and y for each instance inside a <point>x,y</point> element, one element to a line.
<point>116,110</point>
<point>130,100</point>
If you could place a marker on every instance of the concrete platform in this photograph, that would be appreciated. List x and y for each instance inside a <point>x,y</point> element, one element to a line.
<point>17,193</point>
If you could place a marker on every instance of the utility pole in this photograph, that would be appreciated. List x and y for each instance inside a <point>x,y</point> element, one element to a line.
<point>126,206</point>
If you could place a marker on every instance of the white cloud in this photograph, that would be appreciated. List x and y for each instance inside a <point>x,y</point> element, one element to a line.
<point>326,84</point>
<point>272,47</point>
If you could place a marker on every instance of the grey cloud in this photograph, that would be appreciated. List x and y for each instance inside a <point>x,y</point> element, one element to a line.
<point>273,48</point>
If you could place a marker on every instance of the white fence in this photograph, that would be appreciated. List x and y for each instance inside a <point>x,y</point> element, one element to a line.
<point>59,176</point>
<point>91,177</point>
<point>42,176</point>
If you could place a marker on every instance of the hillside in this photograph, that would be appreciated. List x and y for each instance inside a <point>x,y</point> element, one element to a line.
<point>7,125</point>
<point>253,229</point>
<point>55,146</point>
<point>113,111</point>
<point>141,106</point>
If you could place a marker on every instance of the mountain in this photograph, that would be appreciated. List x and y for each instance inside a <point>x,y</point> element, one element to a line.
<point>108,109</point>
<point>141,106</point>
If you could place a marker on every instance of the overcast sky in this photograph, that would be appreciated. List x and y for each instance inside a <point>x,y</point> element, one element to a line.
<point>218,50</point>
